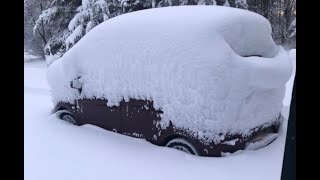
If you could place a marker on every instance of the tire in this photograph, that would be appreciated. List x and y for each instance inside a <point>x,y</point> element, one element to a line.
<point>182,145</point>
<point>68,117</point>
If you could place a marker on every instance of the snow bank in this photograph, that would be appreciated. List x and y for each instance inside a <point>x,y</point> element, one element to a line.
<point>54,149</point>
<point>289,85</point>
<point>189,60</point>
<point>51,58</point>
<point>29,57</point>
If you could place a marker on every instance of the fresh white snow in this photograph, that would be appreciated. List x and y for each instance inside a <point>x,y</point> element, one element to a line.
<point>289,84</point>
<point>29,57</point>
<point>51,58</point>
<point>54,149</point>
<point>190,64</point>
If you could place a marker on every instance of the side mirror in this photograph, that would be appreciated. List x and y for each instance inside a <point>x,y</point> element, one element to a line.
<point>76,84</point>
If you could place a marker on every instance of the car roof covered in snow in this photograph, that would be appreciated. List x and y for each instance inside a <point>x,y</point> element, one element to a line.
<point>246,32</point>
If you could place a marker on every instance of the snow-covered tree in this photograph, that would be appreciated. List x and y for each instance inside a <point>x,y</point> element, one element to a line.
<point>226,3</point>
<point>94,12</point>
<point>134,5</point>
<point>241,4</point>
<point>55,19</point>
<point>291,35</point>
<point>280,14</point>
<point>206,2</point>
<point>78,24</point>
<point>65,22</point>
<point>292,28</point>
<point>212,2</point>
<point>34,40</point>
<point>89,14</point>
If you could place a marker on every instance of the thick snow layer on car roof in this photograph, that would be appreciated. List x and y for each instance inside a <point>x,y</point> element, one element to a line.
<point>191,61</point>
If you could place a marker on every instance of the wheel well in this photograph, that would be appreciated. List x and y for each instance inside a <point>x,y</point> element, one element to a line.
<point>57,109</point>
<point>184,140</point>
<point>274,128</point>
<point>169,138</point>
<point>61,108</point>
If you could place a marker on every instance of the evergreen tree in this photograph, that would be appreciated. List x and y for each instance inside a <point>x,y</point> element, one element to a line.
<point>65,22</point>
<point>55,19</point>
<point>34,41</point>
<point>226,3</point>
<point>242,4</point>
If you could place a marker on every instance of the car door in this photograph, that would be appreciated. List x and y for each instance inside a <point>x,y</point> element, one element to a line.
<point>138,118</point>
<point>96,112</point>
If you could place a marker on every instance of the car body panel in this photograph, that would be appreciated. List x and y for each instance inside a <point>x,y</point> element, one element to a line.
<point>138,118</point>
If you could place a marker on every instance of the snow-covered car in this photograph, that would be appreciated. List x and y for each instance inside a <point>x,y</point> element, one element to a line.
<point>202,79</point>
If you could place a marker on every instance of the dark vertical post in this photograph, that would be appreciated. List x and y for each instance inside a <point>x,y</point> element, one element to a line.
<point>289,160</point>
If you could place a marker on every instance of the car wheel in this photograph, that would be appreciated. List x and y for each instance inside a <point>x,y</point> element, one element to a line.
<point>182,145</point>
<point>67,116</point>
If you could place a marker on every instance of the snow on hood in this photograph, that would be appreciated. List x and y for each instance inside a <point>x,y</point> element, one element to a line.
<point>190,60</point>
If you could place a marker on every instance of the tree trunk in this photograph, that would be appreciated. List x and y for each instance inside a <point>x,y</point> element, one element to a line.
<point>265,8</point>
<point>287,12</point>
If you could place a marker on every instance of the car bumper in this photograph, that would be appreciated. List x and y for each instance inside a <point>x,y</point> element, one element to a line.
<point>258,138</point>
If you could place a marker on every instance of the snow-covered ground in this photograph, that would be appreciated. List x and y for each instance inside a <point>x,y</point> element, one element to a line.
<point>55,149</point>
<point>29,57</point>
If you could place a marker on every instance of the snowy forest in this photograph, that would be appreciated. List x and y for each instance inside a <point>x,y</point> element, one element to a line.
<point>52,27</point>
